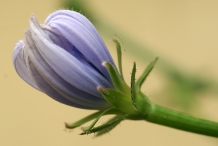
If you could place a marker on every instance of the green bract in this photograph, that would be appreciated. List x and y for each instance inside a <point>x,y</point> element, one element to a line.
<point>128,102</point>
<point>131,104</point>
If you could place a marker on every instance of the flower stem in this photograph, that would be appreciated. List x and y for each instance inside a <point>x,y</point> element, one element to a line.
<point>167,117</point>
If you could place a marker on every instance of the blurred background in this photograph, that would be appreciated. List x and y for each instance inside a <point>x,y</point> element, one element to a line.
<point>183,34</point>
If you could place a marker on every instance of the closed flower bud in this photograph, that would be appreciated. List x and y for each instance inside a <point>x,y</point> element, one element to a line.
<point>63,58</point>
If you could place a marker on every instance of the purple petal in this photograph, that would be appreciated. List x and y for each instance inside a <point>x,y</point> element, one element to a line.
<point>55,81</point>
<point>65,65</point>
<point>20,66</point>
<point>63,58</point>
<point>81,33</point>
<point>50,91</point>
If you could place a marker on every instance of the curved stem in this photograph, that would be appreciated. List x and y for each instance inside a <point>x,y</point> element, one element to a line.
<point>167,117</point>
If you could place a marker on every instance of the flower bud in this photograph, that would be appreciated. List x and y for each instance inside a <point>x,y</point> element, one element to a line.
<point>63,58</point>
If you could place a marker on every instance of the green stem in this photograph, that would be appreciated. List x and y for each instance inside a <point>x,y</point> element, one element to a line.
<point>164,116</point>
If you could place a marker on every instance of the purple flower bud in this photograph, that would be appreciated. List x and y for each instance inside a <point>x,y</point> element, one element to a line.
<point>63,58</point>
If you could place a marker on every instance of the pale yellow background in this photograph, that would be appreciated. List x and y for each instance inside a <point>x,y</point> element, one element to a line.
<point>185,32</point>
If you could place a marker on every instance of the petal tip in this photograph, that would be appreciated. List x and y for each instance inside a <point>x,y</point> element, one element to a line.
<point>99,88</point>
<point>104,63</point>
<point>17,48</point>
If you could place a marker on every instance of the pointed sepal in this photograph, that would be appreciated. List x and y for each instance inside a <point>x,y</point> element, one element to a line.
<point>139,100</point>
<point>108,125</point>
<point>87,129</point>
<point>83,120</point>
<point>145,74</point>
<point>91,117</point>
<point>119,56</point>
<point>111,124</point>
<point>133,89</point>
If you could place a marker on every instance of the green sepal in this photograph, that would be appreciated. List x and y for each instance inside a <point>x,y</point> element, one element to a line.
<point>146,72</point>
<point>118,100</point>
<point>111,124</point>
<point>108,125</point>
<point>118,82</point>
<point>91,117</point>
<point>140,102</point>
<point>83,120</point>
<point>133,89</point>
<point>87,129</point>
<point>119,56</point>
